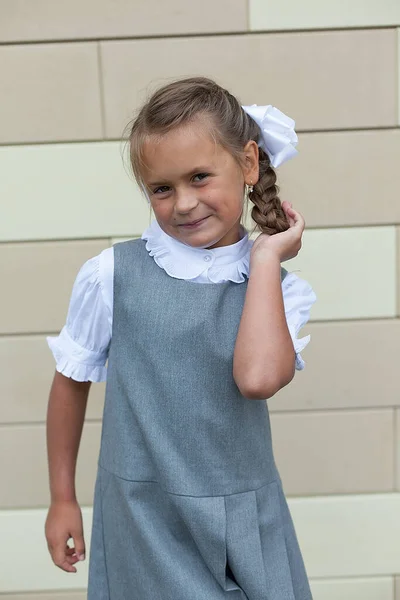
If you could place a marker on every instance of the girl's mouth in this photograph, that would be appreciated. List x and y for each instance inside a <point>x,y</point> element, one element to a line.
<point>194,225</point>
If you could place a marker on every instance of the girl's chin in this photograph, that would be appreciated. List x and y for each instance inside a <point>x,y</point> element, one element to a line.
<point>198,237</point>
<point>202,242</point>
<point>201,239</point>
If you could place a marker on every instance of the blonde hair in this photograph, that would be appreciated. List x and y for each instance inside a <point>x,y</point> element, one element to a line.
<point>184,100</point>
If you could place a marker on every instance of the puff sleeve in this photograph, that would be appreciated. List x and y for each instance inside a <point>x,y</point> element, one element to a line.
<point>81,348</point>
<point>298,297</point>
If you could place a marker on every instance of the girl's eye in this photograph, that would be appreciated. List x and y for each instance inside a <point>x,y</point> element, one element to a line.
<point>201,176</point>
<point>161,190</point>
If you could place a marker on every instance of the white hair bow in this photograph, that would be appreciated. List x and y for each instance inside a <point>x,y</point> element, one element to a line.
<point>278,137</point>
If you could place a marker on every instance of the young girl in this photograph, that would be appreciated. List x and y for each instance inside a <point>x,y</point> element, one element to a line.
<point>199,325</point>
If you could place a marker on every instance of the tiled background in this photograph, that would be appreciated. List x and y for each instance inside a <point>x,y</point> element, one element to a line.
<point>71,76</point>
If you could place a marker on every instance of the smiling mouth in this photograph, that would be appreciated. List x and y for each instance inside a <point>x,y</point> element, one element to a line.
<point>193,223</point>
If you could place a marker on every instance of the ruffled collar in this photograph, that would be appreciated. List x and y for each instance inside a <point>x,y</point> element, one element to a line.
<point>227,263</point>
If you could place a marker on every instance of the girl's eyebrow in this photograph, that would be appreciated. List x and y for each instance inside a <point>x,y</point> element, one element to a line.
<point>202,169</point>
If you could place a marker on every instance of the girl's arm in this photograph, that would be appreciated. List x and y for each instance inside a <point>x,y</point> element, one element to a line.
<point>264,355</point>
<point>81,351</point>
<point>65,418</point>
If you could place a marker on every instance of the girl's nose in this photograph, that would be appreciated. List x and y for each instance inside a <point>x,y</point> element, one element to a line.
<point>185,200</point>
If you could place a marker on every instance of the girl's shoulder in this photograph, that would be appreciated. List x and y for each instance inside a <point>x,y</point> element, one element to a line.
<point>106,267</point>
<point>97,269</point>
<point>92,291</point>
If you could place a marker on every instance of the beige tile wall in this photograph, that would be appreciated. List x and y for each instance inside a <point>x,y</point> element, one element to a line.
<point>27,369</point>
<point>47,20</point>
<point>397,450</point>
<point>345,156</point>
<point>72,76</point>
<point>361,588</point>
<point>307,76</point>
<point>353,271</point>
<point>341,543</point>
<point>312,14</point>
<point>31,268</point>
<point>62,181</point>
<point>355,451</point>
<point>46,596</point>
<point>349,364</point>
<point>48,92</point>
<point>370,545</point>
<point>24,481</point>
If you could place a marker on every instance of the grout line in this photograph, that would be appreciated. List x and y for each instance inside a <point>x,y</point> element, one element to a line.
<point>397,76</point>
<point>289,413</point>
<point>333,409</point>
<point>352,226</point>
<point>248,24</point>
<point>396,442</point>
<point>112,139</point>
<point>219,34</point>
<point>338,322</point>
<point>69,142</point>
<point>347,320</point>
<point>16,424</point>
<point>31,334</point>
<point>362,577</point>
<point>322,30</point>
<point>344,495</point>
<point>304,497</point>
<point>63,240</point>
<point>107,237</point>
<point>396,270</point>
<point>71,593</point>
<point>369,128</point>
<point>101,90</point>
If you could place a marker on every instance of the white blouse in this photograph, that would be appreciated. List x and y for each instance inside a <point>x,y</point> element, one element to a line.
<point>81,348</point>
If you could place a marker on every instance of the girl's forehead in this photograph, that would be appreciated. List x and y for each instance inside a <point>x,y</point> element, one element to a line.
<point>181,150</point>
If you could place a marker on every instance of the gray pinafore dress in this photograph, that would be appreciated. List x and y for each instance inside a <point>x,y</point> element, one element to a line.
<point>188,503</point>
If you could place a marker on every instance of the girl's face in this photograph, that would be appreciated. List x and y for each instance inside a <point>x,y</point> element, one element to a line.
<point>189,178</point>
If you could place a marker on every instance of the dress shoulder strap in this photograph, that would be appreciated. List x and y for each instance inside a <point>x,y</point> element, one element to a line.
<point>284,272</point>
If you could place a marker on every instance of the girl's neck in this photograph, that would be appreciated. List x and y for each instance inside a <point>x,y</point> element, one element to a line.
<point>232,237</point>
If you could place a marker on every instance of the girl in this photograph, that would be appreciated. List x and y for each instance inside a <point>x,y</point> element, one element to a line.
<point>199,327</point>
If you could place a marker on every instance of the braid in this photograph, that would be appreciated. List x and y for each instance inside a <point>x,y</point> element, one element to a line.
<point>267,211</point>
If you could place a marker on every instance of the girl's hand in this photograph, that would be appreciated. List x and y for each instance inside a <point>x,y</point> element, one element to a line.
<point>64,521</point>
<point>285,245</point>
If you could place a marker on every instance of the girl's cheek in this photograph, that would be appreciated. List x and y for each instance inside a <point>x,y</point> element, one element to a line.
<point>161,206</point>
<point>212,197</point>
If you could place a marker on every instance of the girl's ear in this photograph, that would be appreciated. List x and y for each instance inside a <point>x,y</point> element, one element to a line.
<point>250,165</point>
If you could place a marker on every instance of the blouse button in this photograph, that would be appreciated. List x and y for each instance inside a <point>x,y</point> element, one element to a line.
<point>207,258</point>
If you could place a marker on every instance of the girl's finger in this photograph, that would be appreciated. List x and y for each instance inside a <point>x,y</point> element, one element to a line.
<point>290,217</point>
<point>66,566</point>
<point>298,218</point>
<point>71,555</point>
<point>287,207</point>
<point>79,545</point>
<point>69,558</point>
<point>63,562</point>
